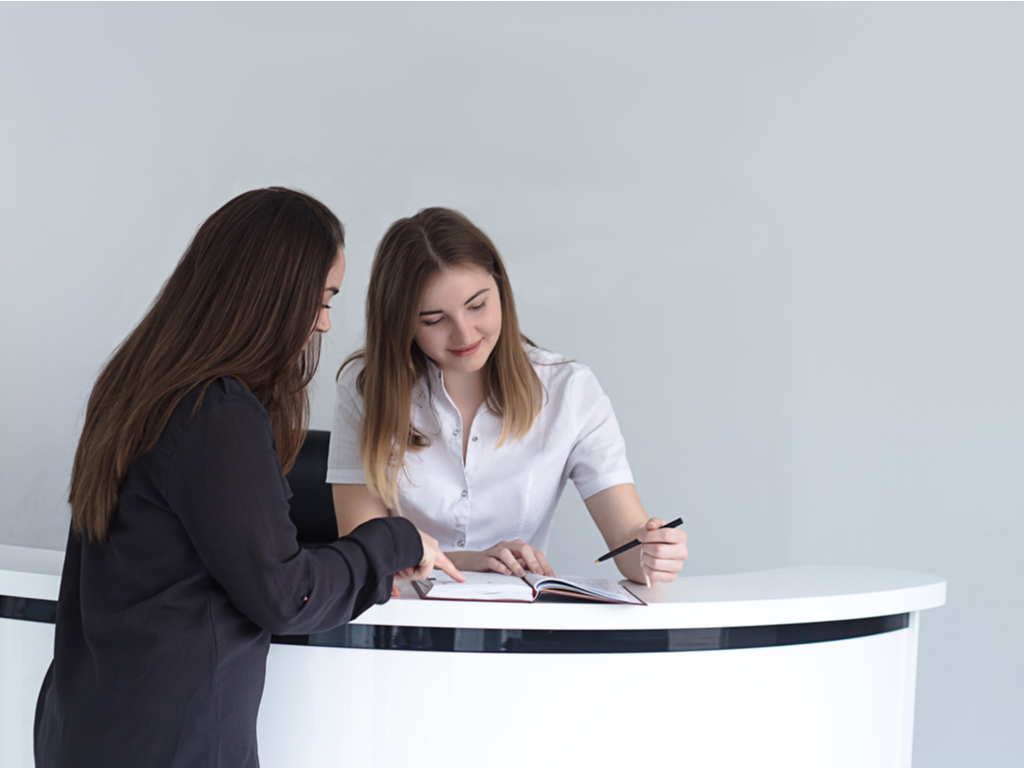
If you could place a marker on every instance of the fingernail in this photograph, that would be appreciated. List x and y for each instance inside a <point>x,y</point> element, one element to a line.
<point>520,572</point>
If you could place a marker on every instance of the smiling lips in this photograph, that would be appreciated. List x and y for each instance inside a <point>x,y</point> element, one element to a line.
<point>466,351</point>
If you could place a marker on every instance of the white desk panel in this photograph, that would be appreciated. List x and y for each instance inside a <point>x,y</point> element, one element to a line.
<point>533,692</point>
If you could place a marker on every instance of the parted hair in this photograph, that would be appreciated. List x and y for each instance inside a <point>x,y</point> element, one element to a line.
<point>411,253</point>
<point>242,302</point>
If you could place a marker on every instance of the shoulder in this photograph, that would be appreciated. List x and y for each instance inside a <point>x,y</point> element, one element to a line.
<point>346,391</point>
<point>230,388</point>
<point>558,372</point>
<point>348,374</point>
<point>225,399</point>
<point>220,423</point>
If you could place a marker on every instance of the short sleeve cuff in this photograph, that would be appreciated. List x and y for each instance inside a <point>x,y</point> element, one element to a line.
<point>602,482</point>
<point>346,477</point>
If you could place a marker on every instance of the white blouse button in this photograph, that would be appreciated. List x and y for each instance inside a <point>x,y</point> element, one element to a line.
<point>460,543</point>
<point>455,433</point>
<point>474,438</point>
<point>465,494</point>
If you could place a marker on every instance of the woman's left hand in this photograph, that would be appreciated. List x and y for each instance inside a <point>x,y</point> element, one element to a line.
<point>662,551</point>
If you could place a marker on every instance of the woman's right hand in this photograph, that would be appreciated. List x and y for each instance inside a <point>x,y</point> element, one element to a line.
<point>507,557</point>
<point>432,558</point>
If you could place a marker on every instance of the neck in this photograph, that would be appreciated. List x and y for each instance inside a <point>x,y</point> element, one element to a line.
<point>467,390</point>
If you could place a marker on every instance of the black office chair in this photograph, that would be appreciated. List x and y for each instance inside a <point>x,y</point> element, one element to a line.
<point>312,508</point>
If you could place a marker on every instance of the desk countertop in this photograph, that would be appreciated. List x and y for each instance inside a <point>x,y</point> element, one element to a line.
<point>794,595</point>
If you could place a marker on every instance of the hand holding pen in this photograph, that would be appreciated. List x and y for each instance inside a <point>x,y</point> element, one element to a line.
<point>662,550</point>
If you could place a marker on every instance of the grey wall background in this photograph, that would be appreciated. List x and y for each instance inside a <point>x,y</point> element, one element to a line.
<point>786,237</point>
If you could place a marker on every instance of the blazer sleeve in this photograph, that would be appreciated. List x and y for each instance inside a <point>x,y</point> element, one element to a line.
<point>224,482</point>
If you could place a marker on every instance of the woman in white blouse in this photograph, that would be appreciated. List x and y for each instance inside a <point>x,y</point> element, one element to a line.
<point>452,418</point>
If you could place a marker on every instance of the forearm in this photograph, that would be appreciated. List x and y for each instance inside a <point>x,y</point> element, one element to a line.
<point>629,563</point>
<point>620,517</point>
<point>337,582</point>
<point>355,505</point>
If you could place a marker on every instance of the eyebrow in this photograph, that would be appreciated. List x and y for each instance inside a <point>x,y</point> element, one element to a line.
<point>467,301</point>
<point>334,291</point>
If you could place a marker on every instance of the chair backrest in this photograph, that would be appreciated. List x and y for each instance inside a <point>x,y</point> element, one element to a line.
<point>312,505</point>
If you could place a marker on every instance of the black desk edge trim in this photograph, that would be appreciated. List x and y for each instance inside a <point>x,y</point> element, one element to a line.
<point>28,609</point>
<point>470,640</point>
<point>593,640</point>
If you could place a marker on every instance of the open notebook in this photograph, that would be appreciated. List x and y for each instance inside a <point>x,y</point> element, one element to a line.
<point>497,587</point>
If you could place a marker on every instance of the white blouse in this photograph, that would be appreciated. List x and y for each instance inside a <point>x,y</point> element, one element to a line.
<point>498,493</point>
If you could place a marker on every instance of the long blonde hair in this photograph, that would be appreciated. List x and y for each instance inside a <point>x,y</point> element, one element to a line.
<point>412,252</point>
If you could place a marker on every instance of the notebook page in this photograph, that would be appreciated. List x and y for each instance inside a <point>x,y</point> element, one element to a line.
<point>479,586</point>
<point>598,587</point>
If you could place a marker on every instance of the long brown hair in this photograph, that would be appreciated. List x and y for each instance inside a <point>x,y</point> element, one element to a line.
<point>412,252</point>
<point>242,302</point>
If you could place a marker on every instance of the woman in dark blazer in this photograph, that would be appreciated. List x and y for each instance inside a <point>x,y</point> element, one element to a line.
<point>181,559</point>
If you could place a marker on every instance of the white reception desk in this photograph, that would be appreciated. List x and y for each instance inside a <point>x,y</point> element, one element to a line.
<point>809,666</point>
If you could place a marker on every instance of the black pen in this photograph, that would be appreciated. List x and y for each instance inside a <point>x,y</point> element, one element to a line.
<point>636,542</point>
